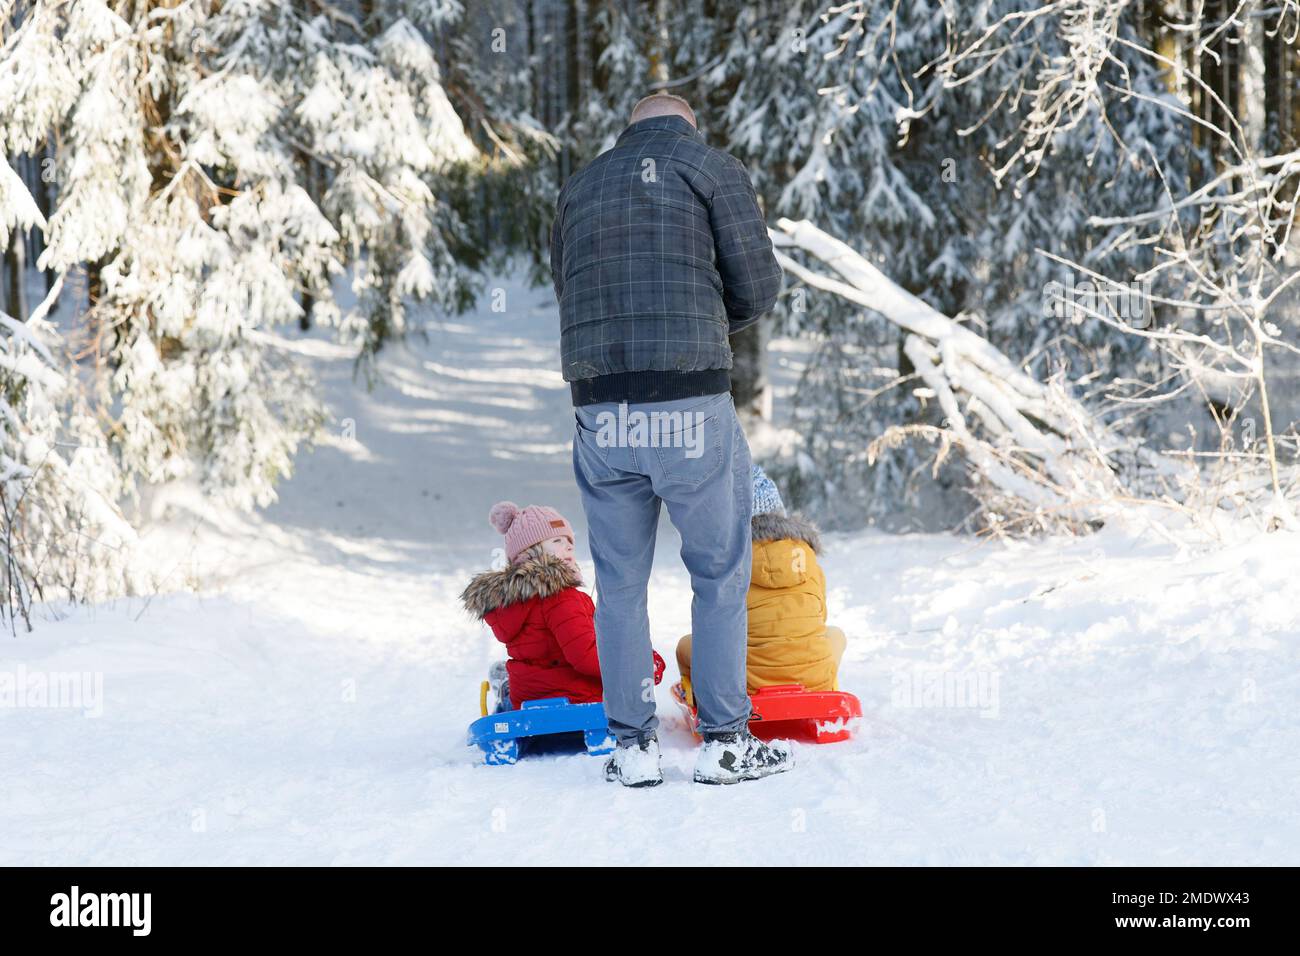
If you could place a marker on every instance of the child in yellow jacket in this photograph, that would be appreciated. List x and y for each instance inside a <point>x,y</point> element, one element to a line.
<point>789,640</point>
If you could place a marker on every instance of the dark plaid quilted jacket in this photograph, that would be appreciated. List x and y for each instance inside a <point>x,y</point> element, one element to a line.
<point>658,253</point>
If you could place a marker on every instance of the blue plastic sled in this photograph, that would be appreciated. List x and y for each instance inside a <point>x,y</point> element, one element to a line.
<point>501,735</point>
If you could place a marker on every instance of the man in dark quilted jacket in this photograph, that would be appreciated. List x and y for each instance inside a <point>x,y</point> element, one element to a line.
<point>659,252</point>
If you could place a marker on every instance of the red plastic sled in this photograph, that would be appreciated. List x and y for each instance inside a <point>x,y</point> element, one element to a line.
<point>789,711</point>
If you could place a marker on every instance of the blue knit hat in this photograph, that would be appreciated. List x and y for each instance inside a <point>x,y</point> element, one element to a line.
<point>767,500</point>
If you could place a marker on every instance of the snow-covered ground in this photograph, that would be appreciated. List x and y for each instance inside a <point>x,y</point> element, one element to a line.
<point>1113,700</point>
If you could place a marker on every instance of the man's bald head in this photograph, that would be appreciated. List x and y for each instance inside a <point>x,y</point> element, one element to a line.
<point>662,104</point>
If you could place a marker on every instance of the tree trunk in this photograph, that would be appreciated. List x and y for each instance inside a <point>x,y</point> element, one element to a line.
<point>1220,70</point>
<point>45,195</point>
<point>15,267</point>
<point>1154,22</point>
<point>750,388</point>
<point>660,49</point>
<point>582,54</point>
<point>1288,78</point>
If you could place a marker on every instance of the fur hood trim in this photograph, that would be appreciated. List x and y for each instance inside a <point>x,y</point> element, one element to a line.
<point>541,577</point>
<point>774,527</point>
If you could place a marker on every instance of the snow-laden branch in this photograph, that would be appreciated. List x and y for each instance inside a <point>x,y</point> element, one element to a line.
<point>1030,440</point>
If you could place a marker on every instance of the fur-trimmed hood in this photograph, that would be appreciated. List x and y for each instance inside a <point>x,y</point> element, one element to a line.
<point>774,527</point>
<point>539,577</point>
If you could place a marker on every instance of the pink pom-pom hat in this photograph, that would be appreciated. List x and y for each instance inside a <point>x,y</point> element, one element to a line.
<point>525,527</point>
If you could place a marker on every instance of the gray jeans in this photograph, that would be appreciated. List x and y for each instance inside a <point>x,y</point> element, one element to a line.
<point>692,456</point>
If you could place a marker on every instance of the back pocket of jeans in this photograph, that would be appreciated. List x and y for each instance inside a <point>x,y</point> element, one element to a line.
<point>692,454</point>
<point>590,450</point>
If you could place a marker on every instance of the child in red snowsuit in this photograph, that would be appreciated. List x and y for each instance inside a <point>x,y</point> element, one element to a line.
<point>535,608</point>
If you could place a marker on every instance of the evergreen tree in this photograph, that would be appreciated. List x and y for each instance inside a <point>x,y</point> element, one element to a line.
<point>212,163</point>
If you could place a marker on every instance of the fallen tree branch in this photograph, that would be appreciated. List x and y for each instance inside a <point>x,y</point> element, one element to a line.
<point>1030,440</point>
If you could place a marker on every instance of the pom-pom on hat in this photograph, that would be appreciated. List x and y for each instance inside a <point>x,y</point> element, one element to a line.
<point>767,499</point>
<point>525,527</point>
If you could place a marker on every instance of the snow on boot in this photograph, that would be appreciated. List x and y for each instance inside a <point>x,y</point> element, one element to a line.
<point>739,755</point>
<point>499,684</point>
<point>636,764</point>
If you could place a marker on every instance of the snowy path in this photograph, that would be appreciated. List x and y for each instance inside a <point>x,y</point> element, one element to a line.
<point>309,705</point>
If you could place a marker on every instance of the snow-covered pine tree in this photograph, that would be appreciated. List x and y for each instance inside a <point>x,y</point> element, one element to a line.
<point>183,132</point>
<point>508,198</point>
<point>213,162</point>
<point>61,534</point>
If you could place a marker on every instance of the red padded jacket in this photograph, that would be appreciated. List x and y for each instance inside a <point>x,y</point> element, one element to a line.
<point>552,647</point>
<point>546,623</point>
